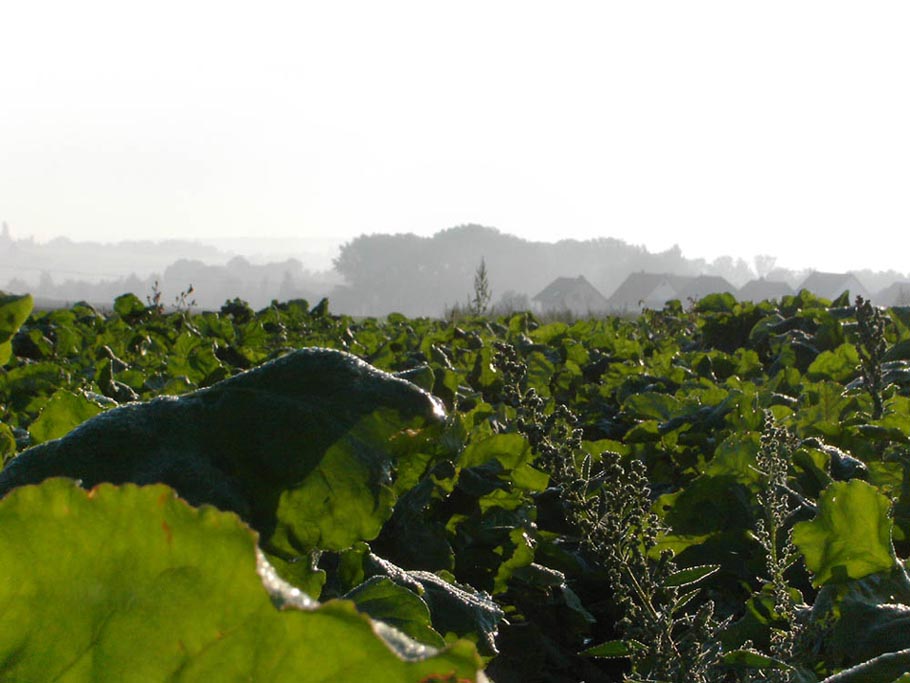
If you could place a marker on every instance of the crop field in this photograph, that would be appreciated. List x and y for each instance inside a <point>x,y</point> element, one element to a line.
<point>719,492</point>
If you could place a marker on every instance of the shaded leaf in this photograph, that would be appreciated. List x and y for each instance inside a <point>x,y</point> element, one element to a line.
<point>613,649</point>
<point>397,606</point>
<point>886,668</point>
<point>751,659</point>
<point>690,575</point>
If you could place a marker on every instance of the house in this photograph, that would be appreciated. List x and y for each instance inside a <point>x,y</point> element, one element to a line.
<point>764,290</point>
<point>570,294</point>
<point>832,285</point>
<point>653,290</point>
<point>645,290</point>
<point>896,294</point>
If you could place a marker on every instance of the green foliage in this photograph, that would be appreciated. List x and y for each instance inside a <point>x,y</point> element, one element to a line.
<point>314,474</point>
<point>698,494</point>
<point>89,575</point>
<point>850,536</point>
<point>383,599</point>
<point>62,412</point>
<point>14,311</point>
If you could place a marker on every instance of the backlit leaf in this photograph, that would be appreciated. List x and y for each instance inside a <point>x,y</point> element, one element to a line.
<point>850,536</point>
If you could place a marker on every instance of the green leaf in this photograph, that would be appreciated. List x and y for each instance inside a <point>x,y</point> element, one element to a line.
<point>652,406</point>
<point>540,370</point>
<point>899,351</point>
<point>195,358</point>
<point>735,456</point>
<point>838,365</point>
<point>8,445</point>
<point>510,450</point>
<point>128,306</point>
<point>613,649</point>
<point>721,302</point>
<point>750,659</point>
<point>822,405</point>
<point>62,412</point>
<point>14,311</point>
<point>886,668</point>
<point>27,387</point>
<point>690,575</point>
<point>850,536</point>
<point>455,608</point>
<point>132,584</point>
<point>385,600</point>
<point>866,618</point>
<point>304,448</point>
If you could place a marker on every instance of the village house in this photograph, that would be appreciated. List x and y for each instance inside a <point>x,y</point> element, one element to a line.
<point>762,289</point>
<point>653,290</point>
<point>575,295</point>
<point>896,294</point>
<point>832,285</point>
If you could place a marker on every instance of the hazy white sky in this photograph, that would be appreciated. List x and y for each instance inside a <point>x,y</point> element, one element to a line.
<point>726,127</point>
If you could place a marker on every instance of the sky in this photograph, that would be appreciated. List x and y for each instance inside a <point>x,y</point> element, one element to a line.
<point>734,128</point>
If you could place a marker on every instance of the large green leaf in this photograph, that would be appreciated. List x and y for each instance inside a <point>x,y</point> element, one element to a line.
<point>304,448</point>
<point>865,618</point>
<point>887,668</point>
<point>131,584</point>
<point>850,536</point>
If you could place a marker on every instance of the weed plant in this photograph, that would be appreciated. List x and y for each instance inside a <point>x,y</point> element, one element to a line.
<point>608,504</point>
<point>872,346</point>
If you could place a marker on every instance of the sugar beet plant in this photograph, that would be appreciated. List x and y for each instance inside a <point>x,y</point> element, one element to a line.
<point>710,493</point>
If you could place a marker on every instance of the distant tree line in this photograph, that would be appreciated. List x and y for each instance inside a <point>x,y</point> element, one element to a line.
<point>381,273</point>
<point>424,275</point>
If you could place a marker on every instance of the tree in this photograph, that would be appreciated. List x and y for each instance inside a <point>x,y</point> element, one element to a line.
<point>764,264</point>
<point>480,303</point>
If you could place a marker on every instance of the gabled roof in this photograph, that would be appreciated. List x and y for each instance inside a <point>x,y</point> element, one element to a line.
<point>576,294</point>
<point>896,294</point>
<point>655,289</point>
<point>832,285</point>
<point>762,289</point>
<point>638,287</point>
